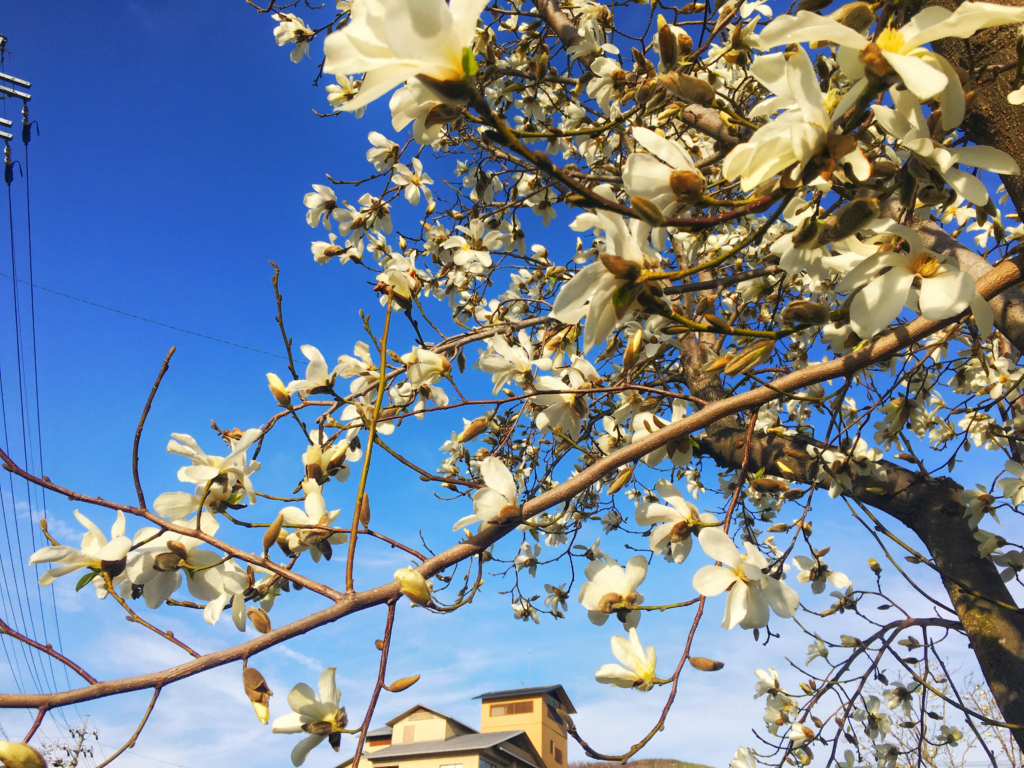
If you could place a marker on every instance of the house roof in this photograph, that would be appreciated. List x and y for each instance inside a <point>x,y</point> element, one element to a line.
<point>556,690</point>
<point>471,742</point>
<point>379,733</point>
<point>409,711</point>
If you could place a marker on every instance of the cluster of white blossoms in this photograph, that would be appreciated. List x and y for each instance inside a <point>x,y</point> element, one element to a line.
<point>624,245</point>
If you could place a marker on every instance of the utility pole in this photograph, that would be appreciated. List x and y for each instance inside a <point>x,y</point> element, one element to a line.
<point>68,755</point>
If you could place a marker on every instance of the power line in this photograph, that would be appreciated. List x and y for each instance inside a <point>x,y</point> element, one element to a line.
<point>146,319</point>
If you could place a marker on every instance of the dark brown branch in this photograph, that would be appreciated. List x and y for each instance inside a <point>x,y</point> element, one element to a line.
<point>142,423</point>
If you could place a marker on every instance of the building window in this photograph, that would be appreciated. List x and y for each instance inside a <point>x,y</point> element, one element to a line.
<point>486,764</point>
<point>558,756</point>
<point>409,734</point>
<point>512,708</point>
<point>457,765</point>
<point>551,746</point>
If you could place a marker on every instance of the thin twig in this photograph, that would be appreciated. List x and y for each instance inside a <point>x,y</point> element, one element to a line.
<point>131,742</point>
<point>35,725</point>
<point>48,650</point>
<point>142,423</point>
<point>386,646</point>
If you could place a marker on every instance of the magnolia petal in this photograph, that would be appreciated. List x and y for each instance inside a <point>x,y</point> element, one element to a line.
<point>945,295</point>
<point>807,27</point>
<point>737,605</point>
<point>717,545</point>
<point>303,747</point>
<point>712,580</point>
<point>613,674</point>
<point>922,78</point>
<point>989,158</point>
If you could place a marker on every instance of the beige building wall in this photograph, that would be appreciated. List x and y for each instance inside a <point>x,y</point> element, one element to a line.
<point>421,726</point>
<point>547,735</point>
<point>466,761</point>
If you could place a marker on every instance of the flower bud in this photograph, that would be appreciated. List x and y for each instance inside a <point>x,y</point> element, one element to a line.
<point>668,45</point>
<point>14,754</point>
<point>718,364</point>
<point>874,566</point>
<point>769,485</point>
<point>802,312</point>
<point>260,620</point>
<point>690,89</point>
<point>278,391</point>
<point>716,322</point>
<point>413,585</point>
<point>685,184</point>
<point>705,665</point>
<point>364,510</point>
<point>632,348</point>
<point>473,430</point>
<point>273,531</point>
<point>258,692</point>
<point>848,220</point>
<point>620,480</point>
<point>647,211</point>
<point>400,685</point>
<point>858,16</point>
<point>749,357</point>
<point>619,267</point>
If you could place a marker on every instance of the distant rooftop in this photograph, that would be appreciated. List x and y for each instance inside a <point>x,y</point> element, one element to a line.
<point>557,690</point>
<point>442,715</point>
<point>466,743</point>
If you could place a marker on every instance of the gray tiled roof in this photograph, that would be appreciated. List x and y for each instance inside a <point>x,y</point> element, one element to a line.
<point>378,733</point>
<point>471,742</point>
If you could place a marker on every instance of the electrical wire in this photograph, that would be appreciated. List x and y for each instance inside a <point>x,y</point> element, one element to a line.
<point>146,319</point>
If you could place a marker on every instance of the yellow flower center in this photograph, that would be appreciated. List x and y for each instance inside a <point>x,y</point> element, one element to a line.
<point>891,40</point>
<point>925,265</point>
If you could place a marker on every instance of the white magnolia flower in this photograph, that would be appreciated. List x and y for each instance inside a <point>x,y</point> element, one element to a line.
<point>414,180</point>
<point>359,365</point>
<point>527,558</point>
<point>156,565</point>
<point>322,204</point>
<point>292,29</point>
<point>679,451</point>
<point>610,588</point>
<point>318,377</point>
<point>679,520</point>
<point>875,725</point>
<point>839,468</point>
<point>816,573</point>
<point>318,715</point>
<point>637,664</point>
<point>795,136</point>
<point>564,405</point>
<point>318,542</point>
<point>523,610</point>
<point>220,479</point>
<point>1011,562</point>
<point>415,103</point>
<point>1013,486</point>
<point>817,649</point>
<point>908,125</point>
<point>331,460</point>
<point>425,367</point>
<point>595,290</point>
<point>396,40</point>
<point>557,597</point>
<point>743,759</point>
<point>751,592</point>
<point>891,280</point>
<point>902,697</point>
<point>96,553</point>
<point>506,363</point>
<point>496,503</point>
<point>924,73</point>
<point>384,152</point>
<point>667,176</point>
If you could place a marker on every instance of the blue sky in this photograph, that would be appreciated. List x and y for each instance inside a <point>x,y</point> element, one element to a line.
<point>176,143</point>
